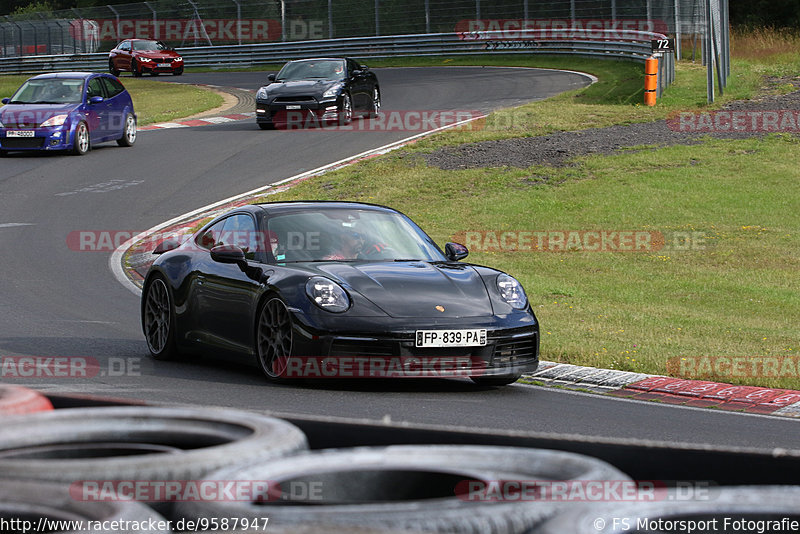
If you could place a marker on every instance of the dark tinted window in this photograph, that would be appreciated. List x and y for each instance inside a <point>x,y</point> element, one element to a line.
<point>113,87</point>
<point>211,237</point>
<point>95,88</point>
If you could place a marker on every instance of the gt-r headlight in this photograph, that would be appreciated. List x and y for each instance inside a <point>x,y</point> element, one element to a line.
<point>57,120</point>
<point>327,294</point>
<point>262,93</point>
<point>511,291</point>
<point>333,90</point>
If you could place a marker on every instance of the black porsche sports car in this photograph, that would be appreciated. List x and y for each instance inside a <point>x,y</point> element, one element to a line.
<point>336,289</point>
<point>317,92</point>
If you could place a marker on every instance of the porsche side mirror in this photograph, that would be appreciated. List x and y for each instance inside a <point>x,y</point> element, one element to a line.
<point>455,251</point>
<point>271,78</point>
<point>228,254</point>
<point>6,100</point>
<point>166,246</point>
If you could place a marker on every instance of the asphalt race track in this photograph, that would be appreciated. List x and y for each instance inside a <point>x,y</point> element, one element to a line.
<point>59,302</point>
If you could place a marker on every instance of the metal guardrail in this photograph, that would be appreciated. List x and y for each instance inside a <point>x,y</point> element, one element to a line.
<point>611,44</point>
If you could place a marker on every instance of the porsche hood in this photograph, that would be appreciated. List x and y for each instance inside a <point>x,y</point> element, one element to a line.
<point>415,288</point>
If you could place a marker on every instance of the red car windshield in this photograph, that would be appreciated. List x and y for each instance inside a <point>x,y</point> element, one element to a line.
<point>148,46</point>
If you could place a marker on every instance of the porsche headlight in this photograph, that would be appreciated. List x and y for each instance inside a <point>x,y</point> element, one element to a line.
<point>333,90</point>
<point>511,291</point>
<point>57,120</point>
<point>262,93</point>
<point>327,294</point>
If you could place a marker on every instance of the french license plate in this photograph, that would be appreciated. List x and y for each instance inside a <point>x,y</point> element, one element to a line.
<point>163,65</point>
<point>451,338</point>
<point>292,107</point>
<point>19,133</point>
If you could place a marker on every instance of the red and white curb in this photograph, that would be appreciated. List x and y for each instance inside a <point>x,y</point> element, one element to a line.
<point>671,390</point>
<point>198,122</point>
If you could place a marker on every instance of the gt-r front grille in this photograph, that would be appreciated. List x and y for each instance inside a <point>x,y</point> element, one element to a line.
<point>512,351</point>
<point>22,142</point>
<point>290,99</point>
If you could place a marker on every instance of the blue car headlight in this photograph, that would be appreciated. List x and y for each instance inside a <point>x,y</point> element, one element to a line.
<point>327,294</point>
<point>333,90</point>
<point>56,120</point>
<point>511,291</point>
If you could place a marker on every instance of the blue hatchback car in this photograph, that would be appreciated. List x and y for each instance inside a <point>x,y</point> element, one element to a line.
<point>70,111</point>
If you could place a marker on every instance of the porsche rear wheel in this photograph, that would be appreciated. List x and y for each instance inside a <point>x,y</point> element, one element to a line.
<point>273,338</point>
<point>158,320</point>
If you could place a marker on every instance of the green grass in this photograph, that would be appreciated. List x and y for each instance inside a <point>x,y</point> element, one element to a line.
<point>153,101</point>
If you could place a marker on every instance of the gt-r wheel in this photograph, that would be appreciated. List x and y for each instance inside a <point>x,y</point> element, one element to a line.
<point>502,380</point>
<point>81,142</point>
<point>159,321</point>
<point>135,68</point>
<point>129,133</point>
<point>345,110</point>
<point>273,338</point>
<point>112,69</point>
<point>376,102</point>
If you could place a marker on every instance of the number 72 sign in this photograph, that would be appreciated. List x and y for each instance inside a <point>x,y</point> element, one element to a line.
<point>662,45</point>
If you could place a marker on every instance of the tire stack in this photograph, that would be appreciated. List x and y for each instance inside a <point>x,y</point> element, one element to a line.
<point>49,459</point>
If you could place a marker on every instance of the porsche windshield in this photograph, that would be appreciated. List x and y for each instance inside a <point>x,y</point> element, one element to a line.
<point>326,69</point>
<point>349,235</point>
<point>49,91</point>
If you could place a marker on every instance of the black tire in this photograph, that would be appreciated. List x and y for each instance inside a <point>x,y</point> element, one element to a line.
<point>15,400</point>
<point>501,380</point>
<point>158,319</point>
<point>77,444</point>
<point>112,69</point>
<point>376,102</point>
<point>81,142</point>
<point>128,131</point>
<point>177,72</point>
<point>732,502</point>
<point>345,110</point>
<point>3,153</point>
<point>32,501</point>
<point>274,336</point>
<point>153,72</point>
<point>403,487</point>
<point>135,68</point>
<point>266,126</point>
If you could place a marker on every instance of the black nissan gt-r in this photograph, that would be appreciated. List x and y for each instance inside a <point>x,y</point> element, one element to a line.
<point>315,92</point>
<point>337,289</point>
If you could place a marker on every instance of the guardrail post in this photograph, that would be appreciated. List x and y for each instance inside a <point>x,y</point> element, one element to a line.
<point>650,80</point>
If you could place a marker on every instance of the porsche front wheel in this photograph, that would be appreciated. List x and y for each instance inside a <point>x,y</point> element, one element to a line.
<point>273,338</point>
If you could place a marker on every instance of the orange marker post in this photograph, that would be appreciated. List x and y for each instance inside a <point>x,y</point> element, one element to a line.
<point>650,80</point>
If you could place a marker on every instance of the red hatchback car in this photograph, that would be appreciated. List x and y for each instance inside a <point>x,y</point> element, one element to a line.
<point>144,55</point>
